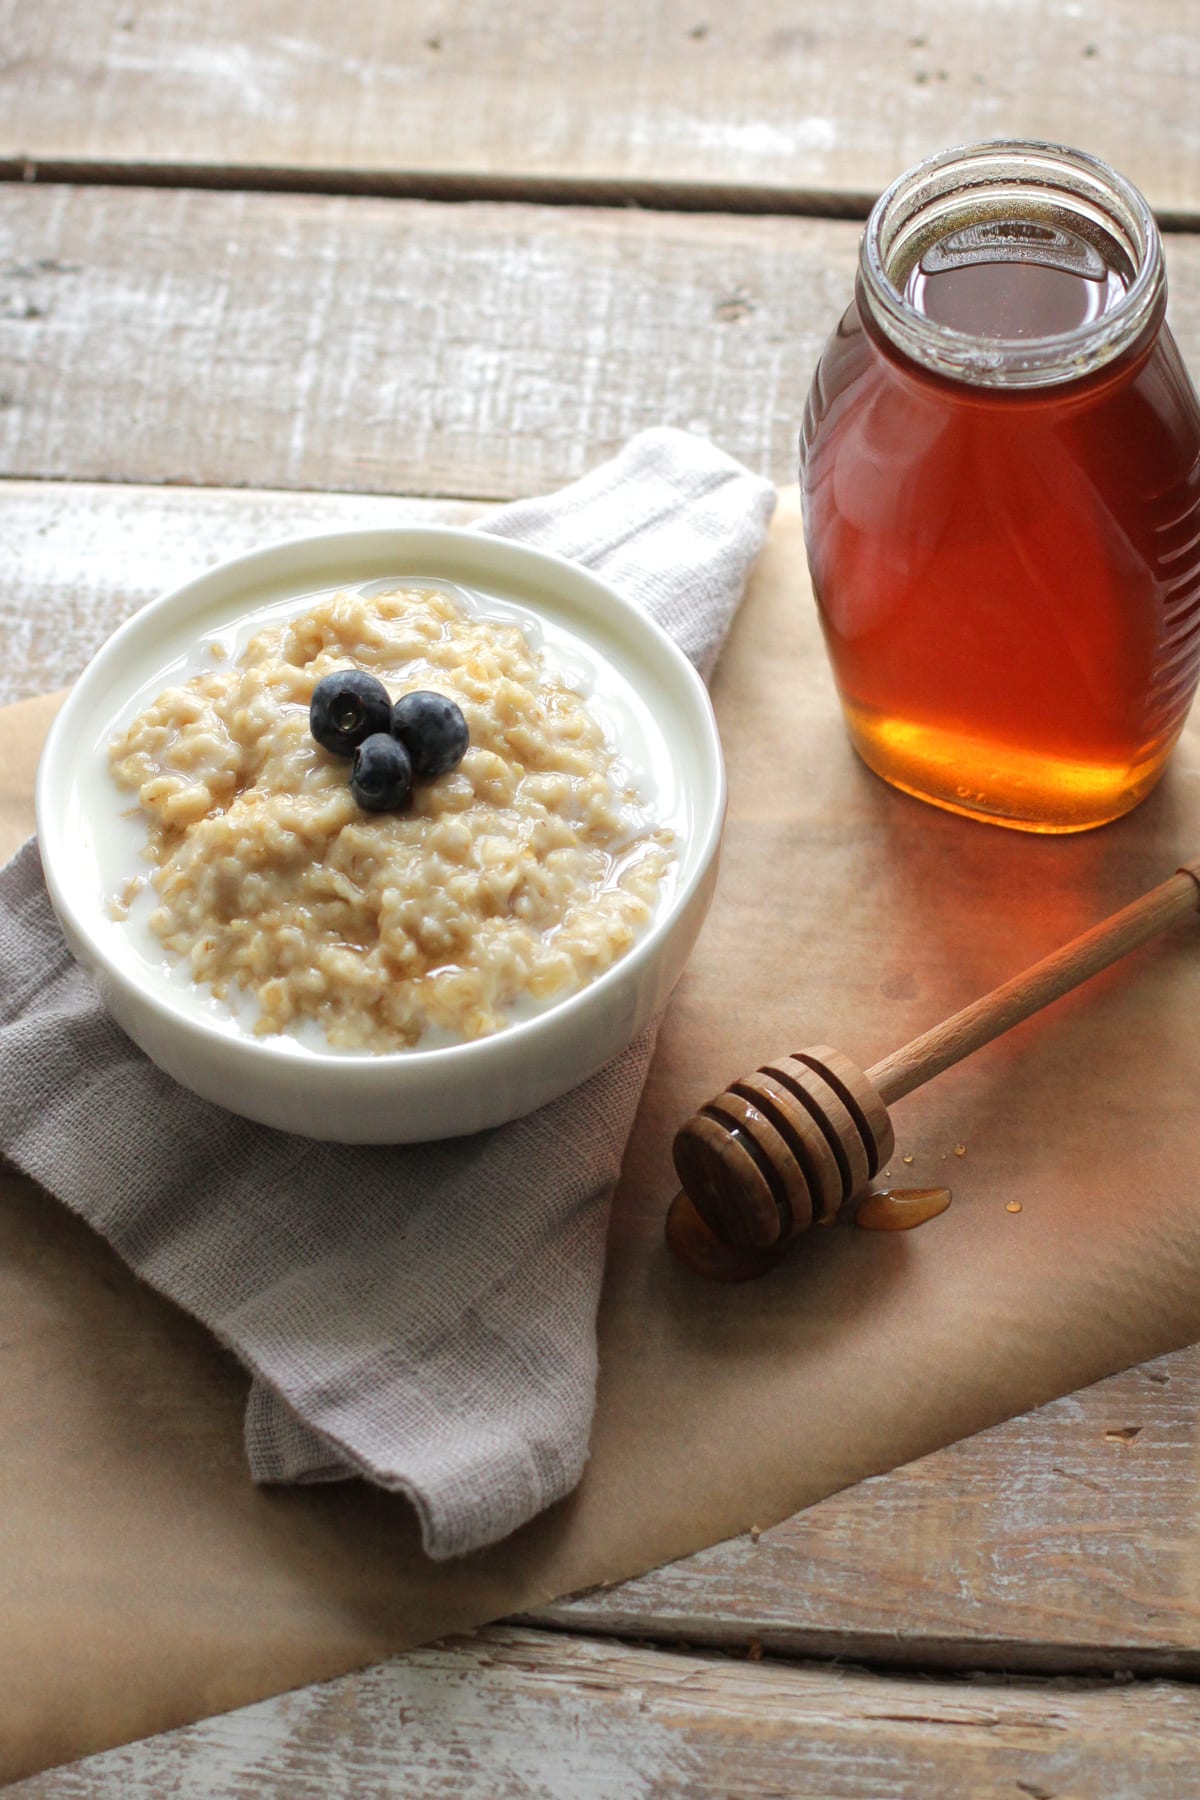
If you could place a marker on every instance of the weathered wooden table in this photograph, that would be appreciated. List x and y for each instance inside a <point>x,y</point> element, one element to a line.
<point>261,266</point>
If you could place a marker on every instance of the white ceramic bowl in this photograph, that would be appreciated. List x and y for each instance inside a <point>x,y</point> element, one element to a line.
<point>361,1097</point>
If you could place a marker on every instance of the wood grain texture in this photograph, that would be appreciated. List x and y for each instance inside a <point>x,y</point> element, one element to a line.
<point>516,1713</point>
<point>1063,1540</point>
<point>760,104</point>
<point>288,341</point>
<point>292,341</point>
<point>80,558</point>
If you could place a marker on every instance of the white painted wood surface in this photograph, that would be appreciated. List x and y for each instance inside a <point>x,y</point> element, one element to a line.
<point>759,103</point>
<point>513,1713</point>
<point>373,346</point>
<point>1067,1540</point>
<point>82,557</point>
<point>482,351</point>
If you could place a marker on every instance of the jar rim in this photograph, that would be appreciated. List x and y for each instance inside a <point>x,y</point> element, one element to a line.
<point>1081,182</point>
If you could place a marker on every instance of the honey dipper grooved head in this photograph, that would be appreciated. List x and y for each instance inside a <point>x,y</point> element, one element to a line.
<point>783,1148</point>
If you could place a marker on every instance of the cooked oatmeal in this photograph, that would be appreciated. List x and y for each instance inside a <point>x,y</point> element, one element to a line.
<point>513,880</point>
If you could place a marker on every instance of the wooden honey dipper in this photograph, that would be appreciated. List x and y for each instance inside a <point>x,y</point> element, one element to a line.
<point>787,1146</point>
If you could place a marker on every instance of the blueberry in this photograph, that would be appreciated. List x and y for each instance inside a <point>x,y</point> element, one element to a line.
<point>382,773</point>
<point>432,730</point>
<point>346,708</point>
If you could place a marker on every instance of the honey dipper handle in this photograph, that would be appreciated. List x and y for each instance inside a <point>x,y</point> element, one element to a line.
<point>926,1056</point>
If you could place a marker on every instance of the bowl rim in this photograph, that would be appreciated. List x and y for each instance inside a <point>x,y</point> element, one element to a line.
<point>512,557</point>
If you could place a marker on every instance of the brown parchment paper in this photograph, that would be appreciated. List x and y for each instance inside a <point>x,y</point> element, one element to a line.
<point>144,1582</point>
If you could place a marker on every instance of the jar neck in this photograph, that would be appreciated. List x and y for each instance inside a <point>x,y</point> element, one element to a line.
<point>961,190</point>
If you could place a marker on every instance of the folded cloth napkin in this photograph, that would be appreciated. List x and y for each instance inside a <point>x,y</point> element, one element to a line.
<point>421,1315</point>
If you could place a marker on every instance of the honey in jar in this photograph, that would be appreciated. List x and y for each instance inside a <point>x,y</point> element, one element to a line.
<point>1000,474</point>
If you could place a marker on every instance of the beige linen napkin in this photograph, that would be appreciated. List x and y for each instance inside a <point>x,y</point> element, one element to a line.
<point>421,1315</point>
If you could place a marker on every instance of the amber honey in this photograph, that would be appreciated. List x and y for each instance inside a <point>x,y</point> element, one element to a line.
<point>1000,469</point>
<point>901,1209</point>
<point>694,1243</point>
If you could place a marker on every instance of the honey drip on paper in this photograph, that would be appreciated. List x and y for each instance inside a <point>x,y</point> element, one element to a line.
<point>900,1209</point>
<point>698,1248</point>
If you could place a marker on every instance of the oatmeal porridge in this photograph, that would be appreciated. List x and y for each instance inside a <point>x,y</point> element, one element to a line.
<point>500,887</point>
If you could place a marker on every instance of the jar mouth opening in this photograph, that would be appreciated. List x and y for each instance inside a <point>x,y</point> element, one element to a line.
<point>999,180</point>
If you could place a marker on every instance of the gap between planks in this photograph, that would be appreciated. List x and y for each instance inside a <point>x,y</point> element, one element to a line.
<point>919,1656</point>
<point>451,188</point>
<point>509,1713</point>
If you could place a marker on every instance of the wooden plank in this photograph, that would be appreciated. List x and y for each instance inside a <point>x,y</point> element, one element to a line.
<point>80,558</point>
<point>517,1713</point>
<point>289,341</point>
<point>1064,1540</point>
<point>293,341</point>
<point>756,105</point>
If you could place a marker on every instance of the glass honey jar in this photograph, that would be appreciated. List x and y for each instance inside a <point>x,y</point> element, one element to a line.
<point>1000,476</point>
